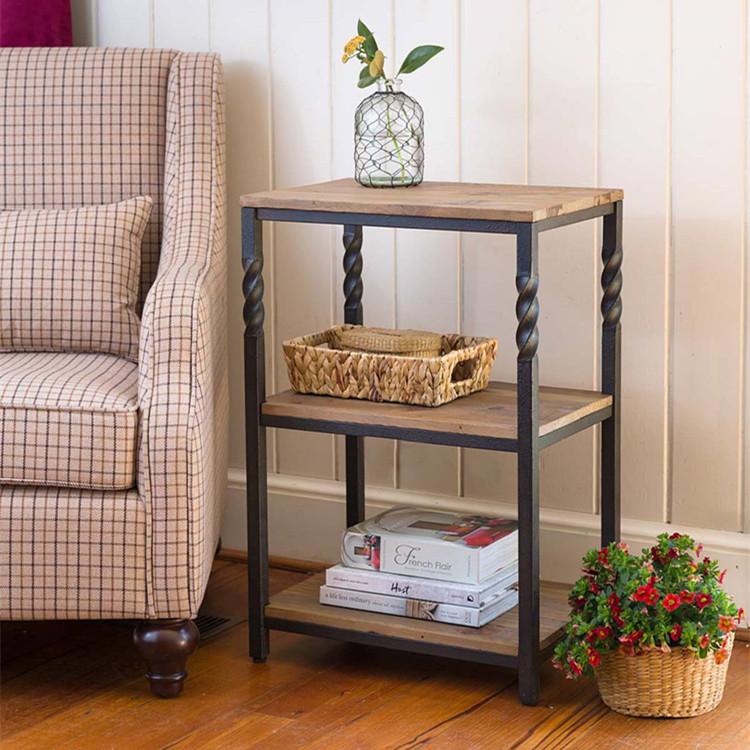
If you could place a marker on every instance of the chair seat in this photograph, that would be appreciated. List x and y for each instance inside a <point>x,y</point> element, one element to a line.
<point>68,420</point>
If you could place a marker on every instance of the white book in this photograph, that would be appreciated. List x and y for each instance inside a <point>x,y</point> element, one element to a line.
<point>452,614</point>
<point>474,595</point>
<point>434,544</point>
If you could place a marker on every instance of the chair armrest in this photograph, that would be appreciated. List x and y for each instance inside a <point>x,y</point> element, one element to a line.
<point>183,395</point>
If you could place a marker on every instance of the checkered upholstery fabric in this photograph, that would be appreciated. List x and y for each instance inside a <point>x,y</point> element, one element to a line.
<point>80,127</point>
<point>69,278</point>
<point>183,375</point>
<point>68,420</point>
<point>135,120</point>
<point>70,554</point>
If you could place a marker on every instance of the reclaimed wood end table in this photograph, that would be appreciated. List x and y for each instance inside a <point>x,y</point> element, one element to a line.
<point>523,417</point>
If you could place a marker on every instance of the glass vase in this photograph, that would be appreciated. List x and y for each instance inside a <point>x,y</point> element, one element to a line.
<point>389,138</point>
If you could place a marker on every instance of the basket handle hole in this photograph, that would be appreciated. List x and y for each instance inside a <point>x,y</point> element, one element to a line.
<point>464,370</point>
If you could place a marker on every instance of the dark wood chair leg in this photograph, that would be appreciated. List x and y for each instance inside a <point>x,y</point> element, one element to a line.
<point>165,645</point>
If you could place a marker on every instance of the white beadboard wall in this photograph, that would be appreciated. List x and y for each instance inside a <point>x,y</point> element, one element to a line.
<point>647,95</point>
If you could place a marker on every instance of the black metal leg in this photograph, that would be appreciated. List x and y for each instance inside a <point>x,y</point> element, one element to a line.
<point>255,448</point>
<point>527,341</point>
<point>355,446</point>
<point>611,311</point>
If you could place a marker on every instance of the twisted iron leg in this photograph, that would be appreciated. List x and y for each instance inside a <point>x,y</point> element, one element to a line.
<point>527,342</point>
<point>255,444</point>
<point>611,308</point>
<point>354,446</point>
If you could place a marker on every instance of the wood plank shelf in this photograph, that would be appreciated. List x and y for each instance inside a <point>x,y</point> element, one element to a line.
<point>487,419</point>
<point>298,610</point>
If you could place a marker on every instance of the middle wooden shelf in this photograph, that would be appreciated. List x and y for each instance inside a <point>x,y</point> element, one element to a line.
<point>487,419</point>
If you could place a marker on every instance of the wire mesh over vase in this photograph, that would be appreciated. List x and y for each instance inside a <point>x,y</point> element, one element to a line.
<point>389,138</point>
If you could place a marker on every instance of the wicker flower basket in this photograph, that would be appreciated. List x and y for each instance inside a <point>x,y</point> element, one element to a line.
<point>675,684</point>
<point>317,366</point>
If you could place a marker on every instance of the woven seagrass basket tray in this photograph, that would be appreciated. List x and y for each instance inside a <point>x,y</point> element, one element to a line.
<point>317,366</point>
<point>677,684</point>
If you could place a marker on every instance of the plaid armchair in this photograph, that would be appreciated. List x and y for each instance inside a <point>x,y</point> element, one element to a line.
<point>113,473</point>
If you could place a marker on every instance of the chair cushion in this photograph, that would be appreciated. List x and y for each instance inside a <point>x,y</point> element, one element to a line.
<point>68,420</point>
<point>85,125</point>
<point>69,278</point>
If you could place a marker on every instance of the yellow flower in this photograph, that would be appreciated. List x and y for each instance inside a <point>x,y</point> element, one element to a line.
<point>376,66</point>
<point>351,47</point>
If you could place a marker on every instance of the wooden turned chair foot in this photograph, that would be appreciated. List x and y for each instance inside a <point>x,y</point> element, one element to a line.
<point>165,646</point>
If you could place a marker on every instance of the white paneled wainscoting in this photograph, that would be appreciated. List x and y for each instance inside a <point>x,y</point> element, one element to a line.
<point>307,516</point>
<point>647,95</point>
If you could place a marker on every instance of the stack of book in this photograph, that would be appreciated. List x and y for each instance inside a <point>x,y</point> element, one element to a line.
<point>431,565</point>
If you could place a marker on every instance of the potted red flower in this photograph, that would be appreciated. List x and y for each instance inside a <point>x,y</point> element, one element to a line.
<point>656,629</point>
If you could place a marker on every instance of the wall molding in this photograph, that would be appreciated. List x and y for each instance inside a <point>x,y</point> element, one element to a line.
<point>306,516</point>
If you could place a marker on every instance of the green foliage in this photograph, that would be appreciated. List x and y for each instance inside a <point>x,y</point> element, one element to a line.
<point>666,597</point>
<point>364,48</point>
<point>365,79</point>
<point>370,45</point>
<point>418,57</point>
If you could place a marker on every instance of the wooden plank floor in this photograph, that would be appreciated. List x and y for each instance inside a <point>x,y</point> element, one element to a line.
<point>79,685</point>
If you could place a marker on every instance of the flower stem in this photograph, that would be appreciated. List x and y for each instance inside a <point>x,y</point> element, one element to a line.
<point>395,142</point>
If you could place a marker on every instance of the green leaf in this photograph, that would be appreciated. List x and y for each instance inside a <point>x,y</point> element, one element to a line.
<point>365,79</point>
<point>362,30</point>
<point>418,57</point>
<point>370,45</point>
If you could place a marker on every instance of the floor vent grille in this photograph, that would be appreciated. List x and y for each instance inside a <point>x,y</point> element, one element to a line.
<point>209,626</point>
<point>212,625</point>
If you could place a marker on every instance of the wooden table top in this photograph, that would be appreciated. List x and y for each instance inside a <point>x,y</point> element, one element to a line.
<point>445,200</point>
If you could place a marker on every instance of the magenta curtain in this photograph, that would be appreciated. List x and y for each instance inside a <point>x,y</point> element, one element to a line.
<point>35,23</point>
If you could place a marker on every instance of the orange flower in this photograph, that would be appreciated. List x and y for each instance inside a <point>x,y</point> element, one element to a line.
<point>726,624</point>
<point>721,656</point>
<point>704,641</point>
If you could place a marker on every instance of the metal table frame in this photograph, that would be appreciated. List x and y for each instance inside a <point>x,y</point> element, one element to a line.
<point>527,444</point>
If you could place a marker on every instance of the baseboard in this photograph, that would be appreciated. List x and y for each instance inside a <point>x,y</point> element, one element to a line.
<point>306,516</point>
<point>276,561</point>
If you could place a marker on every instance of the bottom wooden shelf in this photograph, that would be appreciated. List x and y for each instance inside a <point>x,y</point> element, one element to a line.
<point>297,609</point>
